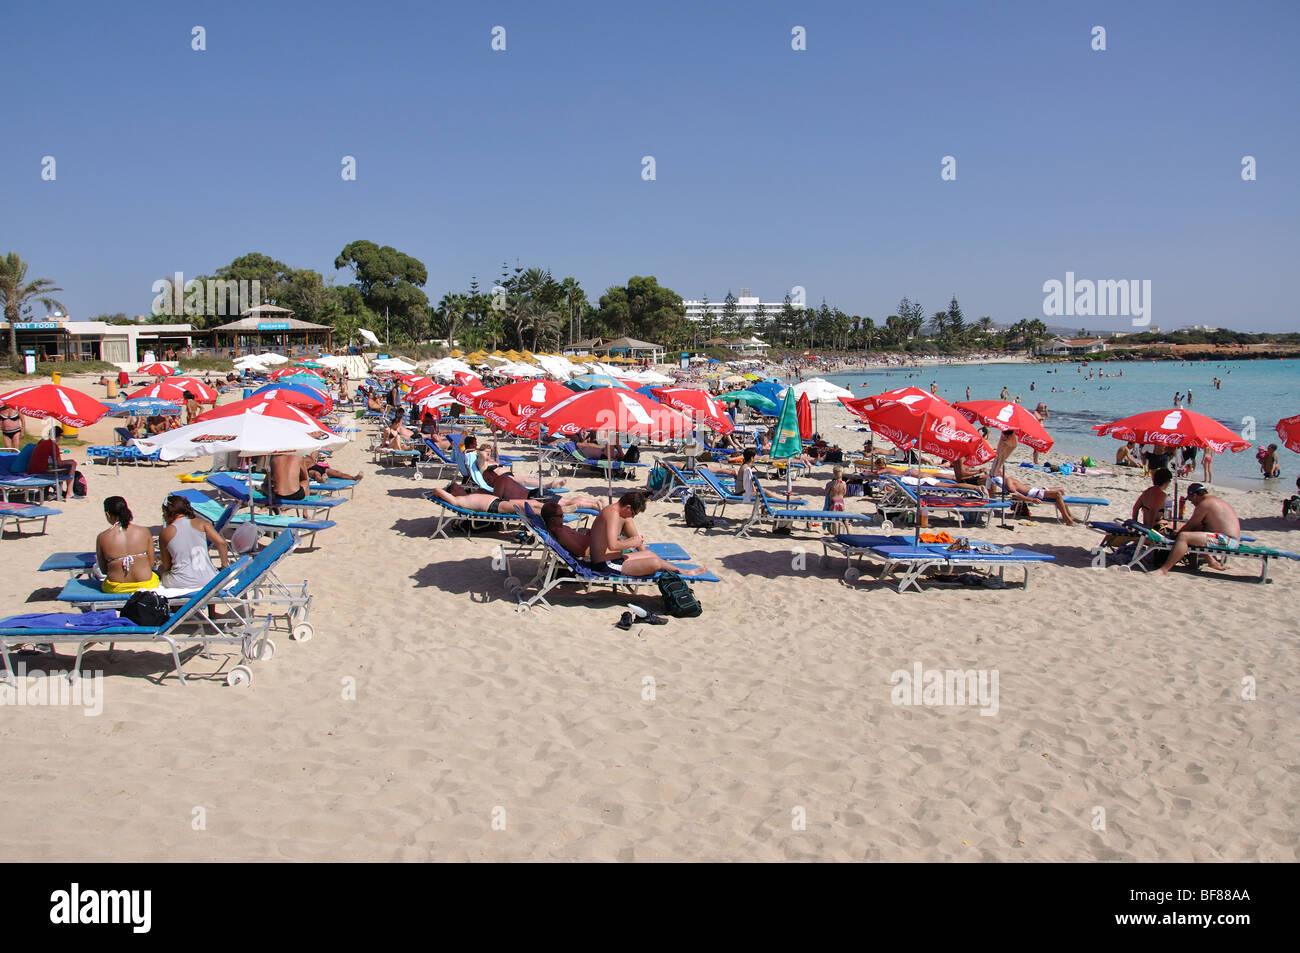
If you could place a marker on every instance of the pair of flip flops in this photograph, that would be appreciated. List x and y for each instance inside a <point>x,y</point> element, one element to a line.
<point>627,620</point>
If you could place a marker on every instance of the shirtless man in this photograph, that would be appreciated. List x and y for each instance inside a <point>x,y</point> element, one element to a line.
<point>1128,455</point>
<point>289,478</point>
<point>1213,522</point>
<point>614,531</point>
<point>1149,508</point>
<point>486,461</point>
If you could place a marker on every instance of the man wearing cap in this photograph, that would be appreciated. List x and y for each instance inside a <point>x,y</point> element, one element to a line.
<point>1212,523</point>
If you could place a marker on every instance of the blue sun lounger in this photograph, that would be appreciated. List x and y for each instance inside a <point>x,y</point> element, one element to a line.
<point>238,490</point>
<point>914,561</point>
<point>1153,541</point>
<point>223,513</point>
<point>765,512</point>
<point>559,566</point>
<point>330,486</point>
<point>723,496</point>
<point>183,628</point>
<point>969,506</point>
<point>20,513</point>
<point>258,588</point>
<point>24,483</point>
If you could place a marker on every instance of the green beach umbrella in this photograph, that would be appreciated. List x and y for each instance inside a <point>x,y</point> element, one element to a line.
<point>787,443</point>
<point>749,397</point>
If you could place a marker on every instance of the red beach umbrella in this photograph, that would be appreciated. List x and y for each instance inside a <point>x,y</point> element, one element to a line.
<point>157,369</point>
<point>523,398</point>
<point>163,390</point>
<point>64,404</point>
<point>1289,430</point>
<point>909,417</point>
<point>803,413</point>
<point>614,410</point>
<point>266,404</point>
<point>201,391</point>
<point>1008,416</point>
<point>1175,428</point>
<point>698,405</point>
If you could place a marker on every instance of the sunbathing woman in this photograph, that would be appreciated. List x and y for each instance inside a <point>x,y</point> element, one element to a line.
<point>507,487</point>
<point>1033,494</point>
<point>457,495</point>
<point>124,551</point>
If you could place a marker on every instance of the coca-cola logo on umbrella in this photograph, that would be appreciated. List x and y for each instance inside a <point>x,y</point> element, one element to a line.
<point>212,438</point>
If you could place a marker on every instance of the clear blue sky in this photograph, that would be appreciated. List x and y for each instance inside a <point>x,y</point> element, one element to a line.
<point>775,168</point>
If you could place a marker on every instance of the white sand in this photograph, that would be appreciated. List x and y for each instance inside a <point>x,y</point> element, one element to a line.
<point>1117,691</point>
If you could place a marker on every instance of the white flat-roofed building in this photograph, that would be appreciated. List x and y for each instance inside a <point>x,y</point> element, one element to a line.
<point>746,308</point>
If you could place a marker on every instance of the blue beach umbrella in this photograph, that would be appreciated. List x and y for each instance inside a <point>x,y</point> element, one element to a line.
<point>594,382</point>
<point>647,391</point>
<point>769,389</point>
<point>144,407</point>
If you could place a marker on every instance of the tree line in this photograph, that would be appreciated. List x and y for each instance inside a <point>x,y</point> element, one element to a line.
<point>529,308</point>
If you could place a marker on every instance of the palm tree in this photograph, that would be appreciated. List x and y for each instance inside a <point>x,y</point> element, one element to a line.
<point>16,293</point>
<point>454,308</point>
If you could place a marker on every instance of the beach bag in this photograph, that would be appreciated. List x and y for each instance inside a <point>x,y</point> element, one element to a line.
<point>632,454</point>
<point>679,600</point>
<point>146,607</point>
<point>78,484</point>
<point>654,480</point>
<point>695,513</point>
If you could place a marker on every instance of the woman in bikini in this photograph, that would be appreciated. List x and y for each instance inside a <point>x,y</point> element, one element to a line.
<point>11,425</point>
<point>124,551</point>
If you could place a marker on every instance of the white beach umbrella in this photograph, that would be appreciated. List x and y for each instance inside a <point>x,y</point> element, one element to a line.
<point>249,435</point>
<point>272,358</point>
<point>394,364</point>
<point>368,335</point>
<point>821,391</point>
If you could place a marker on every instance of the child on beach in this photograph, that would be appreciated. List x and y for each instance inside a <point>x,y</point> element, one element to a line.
<point>836,490</point>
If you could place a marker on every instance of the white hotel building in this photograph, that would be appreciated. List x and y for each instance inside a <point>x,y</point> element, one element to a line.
<point>746,307</point>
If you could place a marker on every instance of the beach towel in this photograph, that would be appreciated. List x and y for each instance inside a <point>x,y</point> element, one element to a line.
<point>73,621</point>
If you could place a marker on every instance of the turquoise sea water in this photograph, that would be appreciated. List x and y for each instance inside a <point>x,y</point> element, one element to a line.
<point>1262,391</point>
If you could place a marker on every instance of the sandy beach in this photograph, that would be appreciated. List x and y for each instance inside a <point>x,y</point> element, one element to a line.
<point>428,720</point>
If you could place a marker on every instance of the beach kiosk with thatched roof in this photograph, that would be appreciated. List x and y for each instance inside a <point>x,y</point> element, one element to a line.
<point>268,327</point>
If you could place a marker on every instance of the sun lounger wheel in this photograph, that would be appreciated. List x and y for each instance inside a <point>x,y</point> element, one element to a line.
<point>239,676</point>
<point>512,584</point>
<point>852,574</point>
<point>303,631</point>
<point>263,651</point>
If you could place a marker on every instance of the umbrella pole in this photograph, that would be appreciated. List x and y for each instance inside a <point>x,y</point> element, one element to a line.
<point>916,534</point>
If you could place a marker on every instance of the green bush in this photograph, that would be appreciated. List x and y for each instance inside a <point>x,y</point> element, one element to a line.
<point>205,364</point>
<point>74,367</point>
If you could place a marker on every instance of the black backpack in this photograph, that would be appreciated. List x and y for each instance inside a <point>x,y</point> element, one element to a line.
<point>632,454</point>
<point>679,600</point>
<point>146,607</point>
<point>696,515</point>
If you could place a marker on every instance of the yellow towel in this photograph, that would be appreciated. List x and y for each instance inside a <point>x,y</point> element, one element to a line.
<point>153,582</point>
